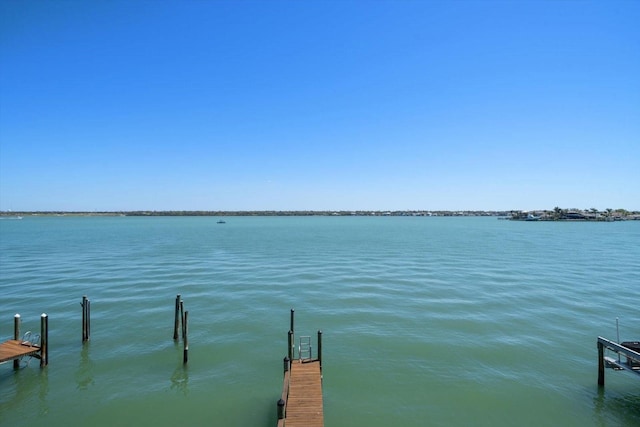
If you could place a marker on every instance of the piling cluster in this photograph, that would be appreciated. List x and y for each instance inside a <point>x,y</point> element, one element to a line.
<point>181,317</point>
<point>180,323</point>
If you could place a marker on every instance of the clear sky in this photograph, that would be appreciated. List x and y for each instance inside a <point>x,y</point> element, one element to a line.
<point>319,105</point>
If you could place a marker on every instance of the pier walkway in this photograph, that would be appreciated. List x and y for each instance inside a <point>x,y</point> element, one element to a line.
<point>300,404</point>
<point>304,401</point>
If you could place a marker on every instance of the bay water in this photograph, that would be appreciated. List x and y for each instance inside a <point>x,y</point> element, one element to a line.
<point>427,321</point>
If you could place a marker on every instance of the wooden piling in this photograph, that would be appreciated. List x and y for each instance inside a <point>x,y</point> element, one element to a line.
<point>287,363</point>
<point>44,339</point>
<point>290,344</point>
<point>86,319</point>
<point>185,338</point>
<point>177,318</point>
<point>292,338</point>
<point>83,304</point>
<point>182,317</point>
<point>320,349</point>
<point>16,336</point>
<point>16,327</point>
<point>600,364</point>
<point>291,326</point>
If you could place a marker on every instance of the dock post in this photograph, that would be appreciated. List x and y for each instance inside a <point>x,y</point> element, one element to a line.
<point>44,339</point>
<point>88,319</point>
<point>286,361</point>
<point>85,319</point>
<point>291,327</point>
<point>600,364</point>
<point>182,317</point>
<point>320,348</point>
<point>16,336</point>
<point>281,409</point>
<point>185,330</point>
<point>177,318</point>
<point>292,339</point>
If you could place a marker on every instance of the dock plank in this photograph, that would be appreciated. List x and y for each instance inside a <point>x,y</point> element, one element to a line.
<point>14,349</point>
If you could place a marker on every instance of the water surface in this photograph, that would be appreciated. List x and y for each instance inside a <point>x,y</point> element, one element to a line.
<point>426,321</point>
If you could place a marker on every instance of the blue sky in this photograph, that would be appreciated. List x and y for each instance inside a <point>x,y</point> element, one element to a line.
<point>330,105</point>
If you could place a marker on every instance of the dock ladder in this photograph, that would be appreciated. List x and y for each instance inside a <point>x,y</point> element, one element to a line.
<point>304,349</point>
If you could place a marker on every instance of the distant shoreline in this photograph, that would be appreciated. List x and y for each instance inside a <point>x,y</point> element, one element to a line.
<point>255,213</point>
<point>517,215</point>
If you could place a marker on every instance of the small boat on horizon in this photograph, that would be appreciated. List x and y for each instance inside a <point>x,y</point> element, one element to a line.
<point>222,221</point>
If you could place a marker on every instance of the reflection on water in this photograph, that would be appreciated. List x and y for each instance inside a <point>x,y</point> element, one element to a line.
<point>27,386</point>
<point>43,391</point>
<point>180,379</point>
<point>84,375</point>
<point>611,408</point>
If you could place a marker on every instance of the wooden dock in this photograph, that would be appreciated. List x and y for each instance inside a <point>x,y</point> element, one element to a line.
<point>30,345</point>
<point>304,403</point>
<point>300,404</point>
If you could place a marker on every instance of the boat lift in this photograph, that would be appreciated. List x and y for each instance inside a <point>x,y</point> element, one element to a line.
<point>629,349</point>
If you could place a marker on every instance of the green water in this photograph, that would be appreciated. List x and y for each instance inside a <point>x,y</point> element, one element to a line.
<point>426,321</point>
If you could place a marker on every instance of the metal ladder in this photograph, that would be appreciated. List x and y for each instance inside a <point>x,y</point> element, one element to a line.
<point>304,349</point>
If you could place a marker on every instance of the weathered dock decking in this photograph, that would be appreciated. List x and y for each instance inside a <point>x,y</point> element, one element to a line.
<point>304,403</point>
<point>15,349</point>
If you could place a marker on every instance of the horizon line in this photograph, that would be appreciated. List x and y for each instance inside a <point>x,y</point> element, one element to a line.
<point>294,211</point>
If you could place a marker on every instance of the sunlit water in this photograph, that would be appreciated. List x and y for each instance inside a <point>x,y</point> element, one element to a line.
<point>426,321</point>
